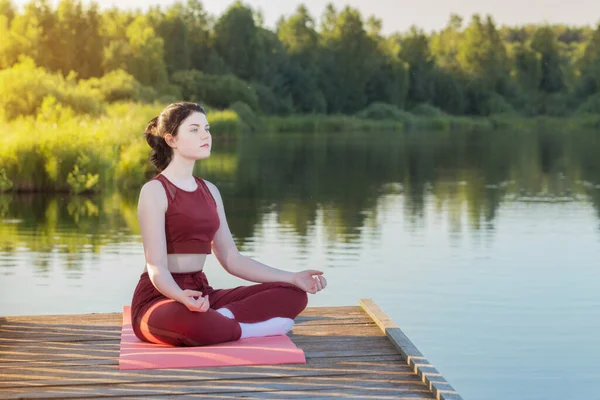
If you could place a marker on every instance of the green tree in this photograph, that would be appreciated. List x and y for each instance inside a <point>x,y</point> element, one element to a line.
<point>299,79</point>
<point>237,42</point>
<point>482,54</point>
<point>299,36</point>
<point>414,50</point>
<point>198,39</point>
<point>445,45</point>
<point>145,60</point>
<point>389,83</point>
<point>8,10</point>
<point>113,32</point>
<point>544,42</point>
<point>172,28</point>
<point>21,37</point>
<point>449,80</point>
<point>69,15</point>
<point>590,65</point>
<point>90,48</point>
<point>346,60</point>
<point>526,67</point>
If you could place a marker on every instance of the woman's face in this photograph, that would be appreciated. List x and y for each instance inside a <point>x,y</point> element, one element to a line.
<point>193,140</point>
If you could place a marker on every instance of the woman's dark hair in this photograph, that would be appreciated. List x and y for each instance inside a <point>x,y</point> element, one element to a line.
<point>167,122</point>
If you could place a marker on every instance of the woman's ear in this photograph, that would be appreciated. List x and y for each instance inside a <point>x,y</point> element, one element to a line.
<point>170,140</point>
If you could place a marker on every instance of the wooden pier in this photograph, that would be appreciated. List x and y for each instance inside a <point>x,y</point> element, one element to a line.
<point>351,352</point>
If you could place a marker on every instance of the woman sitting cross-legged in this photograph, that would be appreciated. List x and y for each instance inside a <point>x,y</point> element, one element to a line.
<point>182,220</point>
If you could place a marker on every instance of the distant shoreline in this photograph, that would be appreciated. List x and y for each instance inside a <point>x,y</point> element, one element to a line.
<point>84,153</point>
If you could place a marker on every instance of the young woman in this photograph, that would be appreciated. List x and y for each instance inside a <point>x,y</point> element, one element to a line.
<point>182,220</point>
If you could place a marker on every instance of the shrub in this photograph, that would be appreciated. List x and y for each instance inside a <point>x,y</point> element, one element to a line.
<point>270,103</point>
<point>25,86</point>
<point>250,121</point>
<point>384,111</point>
<point>118,85</point>
<point>496,104</point>
<point>591,105</point>
<point>219,91</point>
<point>427,110</point>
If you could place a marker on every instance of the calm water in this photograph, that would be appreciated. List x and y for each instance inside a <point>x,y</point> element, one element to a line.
<point>484,248</point>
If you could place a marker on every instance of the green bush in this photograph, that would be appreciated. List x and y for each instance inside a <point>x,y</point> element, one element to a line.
<point>557,105</point>
<point>25,86</point>
<point>224,123</point>
<point>118,85</point>
<point>497,104</point>
<point>250,121</point>
<point>291,124</point>
<point>219,91</point>
<point>328,123</point>
<point>591,105</point>
<point>384,111</point>
<point>270,103</point>
<point>168,93</point>
<point>553,104</point>
<point>427,110</point>
<point>133,165</point>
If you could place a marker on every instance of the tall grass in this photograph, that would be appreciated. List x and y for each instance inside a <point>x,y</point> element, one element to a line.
<point>58,151</point>
<point>333,123</point>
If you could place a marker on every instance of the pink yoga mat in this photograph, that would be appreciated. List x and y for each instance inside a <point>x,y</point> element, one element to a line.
<point>135,354</point>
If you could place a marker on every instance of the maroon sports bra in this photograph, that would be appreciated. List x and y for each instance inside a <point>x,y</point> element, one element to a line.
<point>191,219</point>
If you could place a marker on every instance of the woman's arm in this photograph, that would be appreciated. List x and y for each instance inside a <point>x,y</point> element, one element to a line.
<point>152,205</point>
<point>249,269</point>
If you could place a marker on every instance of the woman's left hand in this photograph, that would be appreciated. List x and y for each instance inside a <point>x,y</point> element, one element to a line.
<point>310,280</point>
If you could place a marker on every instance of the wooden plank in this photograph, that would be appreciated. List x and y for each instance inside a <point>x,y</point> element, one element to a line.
<point>336,330</point>
<point>314,394</point>
<point>325,351</point>
<point>313,349</point>
<point>70,333</point>
<point>303,337</point>
<point>38,371</point>
<point>423,368</point>
<point>91,362</point>
<point>107,359</point>
<point>65,319</point>
<point>111,327</point>
<point>302,341</point>
<point>366,329</point>
<point>326,314</point>
<point>67,376</point>
<point>374,383</point>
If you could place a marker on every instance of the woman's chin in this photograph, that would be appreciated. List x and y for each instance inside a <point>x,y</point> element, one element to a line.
<point>203,155</point>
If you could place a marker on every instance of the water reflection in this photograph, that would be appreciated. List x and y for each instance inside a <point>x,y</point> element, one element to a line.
<point>333,181</point>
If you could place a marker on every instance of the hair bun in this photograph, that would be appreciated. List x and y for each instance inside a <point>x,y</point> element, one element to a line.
<point>150,133</point>
<point>151,127</point>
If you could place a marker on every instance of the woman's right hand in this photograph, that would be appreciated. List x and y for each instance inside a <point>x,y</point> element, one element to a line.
<point>194,301</point>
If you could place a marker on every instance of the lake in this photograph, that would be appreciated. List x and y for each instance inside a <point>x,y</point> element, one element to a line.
<point>483,247</point>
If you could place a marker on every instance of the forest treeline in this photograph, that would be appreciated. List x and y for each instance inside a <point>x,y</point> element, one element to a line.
<point>76,53</point>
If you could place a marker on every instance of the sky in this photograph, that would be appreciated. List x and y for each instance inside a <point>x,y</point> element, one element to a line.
<point>399,15</point>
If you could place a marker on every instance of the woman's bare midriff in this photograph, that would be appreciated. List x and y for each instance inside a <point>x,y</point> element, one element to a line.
<point>178,263</point>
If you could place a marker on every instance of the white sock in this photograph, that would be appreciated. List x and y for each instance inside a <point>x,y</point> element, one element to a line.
<point>226,312</point>
<point>272,327</point>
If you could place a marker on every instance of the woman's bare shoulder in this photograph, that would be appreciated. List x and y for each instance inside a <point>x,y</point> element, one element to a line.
<point>153,192</point>
<point>213,189</point>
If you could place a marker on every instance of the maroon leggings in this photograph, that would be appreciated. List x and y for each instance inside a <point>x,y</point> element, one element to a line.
<point>158,319</point>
